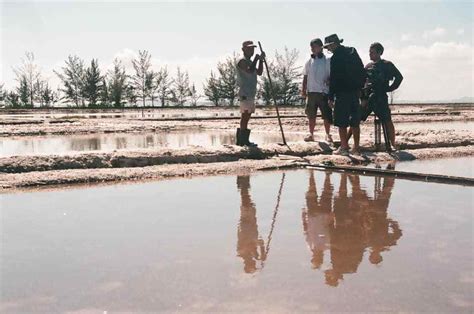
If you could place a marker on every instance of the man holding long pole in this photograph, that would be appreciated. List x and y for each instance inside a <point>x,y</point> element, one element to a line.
<point>247,72</point>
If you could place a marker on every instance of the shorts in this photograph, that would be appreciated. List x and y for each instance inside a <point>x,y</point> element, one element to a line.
<point>315,101</point>
<point>346,109</point>
<point>247,104</point>
<point>378,104</point>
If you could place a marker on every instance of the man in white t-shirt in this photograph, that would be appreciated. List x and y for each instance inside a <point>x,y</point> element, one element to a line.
<point>315,88</point>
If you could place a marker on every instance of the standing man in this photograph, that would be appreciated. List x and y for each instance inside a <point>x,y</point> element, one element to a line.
<point>374,98</point>
<point>315,89</point>
<point>247,72</point>
<point>345,84</point>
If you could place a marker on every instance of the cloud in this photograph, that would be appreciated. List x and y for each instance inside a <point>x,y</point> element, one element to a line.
<point>435,33</point>
<point>441,70</point>
<point>407,37</point>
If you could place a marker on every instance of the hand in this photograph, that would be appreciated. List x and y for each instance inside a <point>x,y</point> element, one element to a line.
<point>331,104</point>
<point>257,57</point>
<point>262,56</point>
<point>304,94</point>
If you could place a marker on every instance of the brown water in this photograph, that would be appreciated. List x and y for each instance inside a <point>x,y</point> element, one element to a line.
<point>58,144</point>
<point>299,241</point>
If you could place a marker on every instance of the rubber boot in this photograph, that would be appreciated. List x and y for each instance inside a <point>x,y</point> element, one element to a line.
<point>245,138</point>
<point>238,138</point>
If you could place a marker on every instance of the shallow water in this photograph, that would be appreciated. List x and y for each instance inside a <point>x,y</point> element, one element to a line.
<point>436,126</point>
<point>57,144</point>
<point>276,242</point>
<point>191,113</point>
<point>459,166</point>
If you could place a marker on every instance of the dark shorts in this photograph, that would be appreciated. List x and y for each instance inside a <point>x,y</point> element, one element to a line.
<point>346,110</point>
<point>315,101</point>
<point>377,104</point>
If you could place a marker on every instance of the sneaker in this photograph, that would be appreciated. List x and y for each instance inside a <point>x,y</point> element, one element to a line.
<point>355,152</point>
<point>329,138</point>
<point>341,151</point>
<point>309,138</point>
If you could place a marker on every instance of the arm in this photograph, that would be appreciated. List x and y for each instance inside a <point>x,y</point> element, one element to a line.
<point>365,91</point>
<point>249,68</point>
<point>332,77</point>
<point>260,65</point>
<point>398,78</point>
<point>361,65</point>
<point>303,88</point>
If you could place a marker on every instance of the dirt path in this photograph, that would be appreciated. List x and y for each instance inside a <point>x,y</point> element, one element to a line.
<point>12,181</point>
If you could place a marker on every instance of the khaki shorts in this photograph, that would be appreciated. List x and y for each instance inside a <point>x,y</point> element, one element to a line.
<point>315,101</point>
<point>247,105</point>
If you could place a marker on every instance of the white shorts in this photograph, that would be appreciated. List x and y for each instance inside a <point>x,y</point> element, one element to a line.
<point>247,105</point>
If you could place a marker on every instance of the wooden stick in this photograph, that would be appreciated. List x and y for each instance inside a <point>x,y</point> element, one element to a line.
<point>273,96</point>
<point>398,174</point>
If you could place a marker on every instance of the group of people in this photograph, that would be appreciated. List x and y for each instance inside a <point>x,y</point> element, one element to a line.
<point>344,91</point>
<point>339,225</point>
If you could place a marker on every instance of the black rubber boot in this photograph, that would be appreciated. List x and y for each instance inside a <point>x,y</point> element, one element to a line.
<point>245,138</point>
<point>238,138</point>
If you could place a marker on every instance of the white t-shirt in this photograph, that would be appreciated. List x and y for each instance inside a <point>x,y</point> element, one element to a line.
<point>318,71</point>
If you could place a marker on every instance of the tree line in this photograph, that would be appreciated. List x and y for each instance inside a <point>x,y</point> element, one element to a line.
<point>86,86</point>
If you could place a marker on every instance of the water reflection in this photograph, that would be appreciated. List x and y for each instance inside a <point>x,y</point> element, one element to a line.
<point>115,141</point>
<point>360,223</point>
<point>66,251</point>
<point>318,219</point>
<point>339,226</point>
<point>250,246</point>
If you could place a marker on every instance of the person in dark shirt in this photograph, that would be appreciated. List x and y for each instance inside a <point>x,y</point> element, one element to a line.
<point>345,84</point>
<point>374,97</point>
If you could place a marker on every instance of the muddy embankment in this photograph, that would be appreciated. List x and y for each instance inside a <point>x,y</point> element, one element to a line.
<point>74,168</point>
<point>145,158</point>
<point>55,170</point>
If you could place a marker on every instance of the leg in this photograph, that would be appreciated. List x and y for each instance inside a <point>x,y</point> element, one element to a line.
<point>391,132</point>
<point>311,112</point>
<point>312,124</point>
<point>343,137</point>
<point>327,126</point>
<point>244,120</point>
<point>355,122</point>
<point>349,134</point>
<point>356,132</point>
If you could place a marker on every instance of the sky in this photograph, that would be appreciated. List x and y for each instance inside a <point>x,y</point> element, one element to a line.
<point>431,42</point>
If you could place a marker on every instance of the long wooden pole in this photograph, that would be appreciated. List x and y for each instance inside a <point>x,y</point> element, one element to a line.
<point>273,96</point>
<point>272,226</point>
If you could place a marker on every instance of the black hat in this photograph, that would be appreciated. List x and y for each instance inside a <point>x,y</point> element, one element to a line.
<point>316,41</point>
<point>332,39</point>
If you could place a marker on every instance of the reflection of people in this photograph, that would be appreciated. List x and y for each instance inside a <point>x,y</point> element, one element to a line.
<point>347,236</point>
<point>318,219</point>
<point>249,246</point>
<point>383,231</point>
<point>360,223</point>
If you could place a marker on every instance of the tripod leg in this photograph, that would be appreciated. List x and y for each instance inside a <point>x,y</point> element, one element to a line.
<point>377,132</point>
